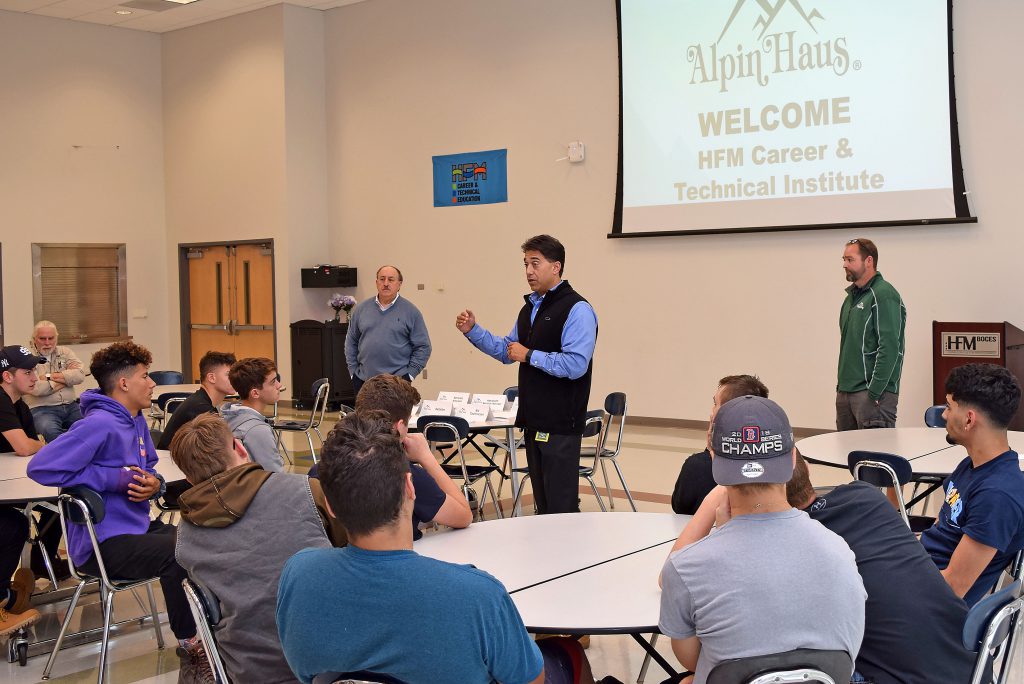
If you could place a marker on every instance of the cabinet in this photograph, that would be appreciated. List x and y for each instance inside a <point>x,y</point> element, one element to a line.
<point>318,351</point>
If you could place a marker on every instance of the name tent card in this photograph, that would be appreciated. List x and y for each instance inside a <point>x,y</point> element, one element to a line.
<point>473,413</point>
<point>495,401</point>
<point>436,408</point>
<point>454,397</point>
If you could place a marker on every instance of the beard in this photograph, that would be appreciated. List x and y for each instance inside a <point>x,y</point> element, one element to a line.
<point>851,276</point>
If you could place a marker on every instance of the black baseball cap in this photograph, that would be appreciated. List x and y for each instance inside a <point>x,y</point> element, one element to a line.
<point>19,357</point>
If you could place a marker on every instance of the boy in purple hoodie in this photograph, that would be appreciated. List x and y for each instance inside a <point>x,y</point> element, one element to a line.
<point>110,450</point>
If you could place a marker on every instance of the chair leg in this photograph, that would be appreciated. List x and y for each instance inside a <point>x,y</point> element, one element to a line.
<point>1010,649</point>
<point>108,609</point>
<point>597,494</point>
<point>312,451</point>
<point>647,661</point>
<point>607,483</point>
<point>316,429</point>
<point>63,630</point>
<point>519,492</point>
<point>624,487</point>
<point>156,616</point>
<point>504,469</point>
<point>281,447</point>
<point>494,499</point>
<point>46,559</point>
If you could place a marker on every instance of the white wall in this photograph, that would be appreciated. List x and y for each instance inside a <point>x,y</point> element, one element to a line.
<point>81,160</point>
<point>409,80</point>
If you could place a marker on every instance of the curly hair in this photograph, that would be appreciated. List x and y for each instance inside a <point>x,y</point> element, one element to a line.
<point>115,361</point>
<point>991,389</point>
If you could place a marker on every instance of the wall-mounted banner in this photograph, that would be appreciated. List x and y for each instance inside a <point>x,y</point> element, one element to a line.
<point>471,178</point>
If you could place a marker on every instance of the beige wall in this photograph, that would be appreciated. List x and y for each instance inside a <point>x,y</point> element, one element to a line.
<point>410,80</point>
<point>244,128</point>
<point>81,160</point>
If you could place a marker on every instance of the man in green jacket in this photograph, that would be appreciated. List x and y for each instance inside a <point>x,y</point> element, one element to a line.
<point>872,325</point>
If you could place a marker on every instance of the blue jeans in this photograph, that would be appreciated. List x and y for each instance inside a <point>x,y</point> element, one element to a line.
<point>53,421</point>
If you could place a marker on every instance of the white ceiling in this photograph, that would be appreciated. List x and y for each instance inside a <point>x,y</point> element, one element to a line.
<point>178,16</point>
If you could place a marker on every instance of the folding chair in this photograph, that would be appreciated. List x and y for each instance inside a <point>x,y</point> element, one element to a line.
<point>592,428</point>
<point>888,470</point>
<point>455,429</point>
<point>158,412</point>
<point>167,377</point>
<point>933,416</point>
<point>321,390</point>
<point>206,614</point>
<point>83,506</point>
<point>801,665</point>
<point>988,631</point>
<point>615,406</point>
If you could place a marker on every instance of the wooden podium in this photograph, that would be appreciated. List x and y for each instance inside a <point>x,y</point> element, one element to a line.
<point>957,343</point>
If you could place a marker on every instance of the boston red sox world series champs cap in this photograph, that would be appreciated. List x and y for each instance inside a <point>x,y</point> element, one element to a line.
<point>752,443</point>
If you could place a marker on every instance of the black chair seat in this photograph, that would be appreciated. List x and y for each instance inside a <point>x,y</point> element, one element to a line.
<point>475,472</point>
<point>920,523</point>
<point>293,425</point>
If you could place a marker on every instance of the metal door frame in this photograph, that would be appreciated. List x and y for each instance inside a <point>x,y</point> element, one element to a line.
<point>184,294</point>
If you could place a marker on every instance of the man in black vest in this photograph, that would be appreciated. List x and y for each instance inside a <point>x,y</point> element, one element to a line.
<point>553,343</point>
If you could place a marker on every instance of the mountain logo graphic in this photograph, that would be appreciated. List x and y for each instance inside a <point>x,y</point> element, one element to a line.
<point>771,11</point>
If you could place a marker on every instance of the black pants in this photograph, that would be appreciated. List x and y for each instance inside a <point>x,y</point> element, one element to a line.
<point>13,535</point>
<point>138,556</point>
<point>554,471</point>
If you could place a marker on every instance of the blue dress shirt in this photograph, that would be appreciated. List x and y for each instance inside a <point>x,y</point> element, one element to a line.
<point>579,336</point>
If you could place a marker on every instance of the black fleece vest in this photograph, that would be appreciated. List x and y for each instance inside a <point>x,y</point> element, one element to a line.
<point>547,403</point>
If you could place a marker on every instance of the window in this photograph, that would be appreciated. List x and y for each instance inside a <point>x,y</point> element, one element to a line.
<point>82,289</point>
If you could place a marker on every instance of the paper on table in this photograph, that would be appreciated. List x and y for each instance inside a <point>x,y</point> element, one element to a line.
<point>435,408</point>
<point>454,397</point>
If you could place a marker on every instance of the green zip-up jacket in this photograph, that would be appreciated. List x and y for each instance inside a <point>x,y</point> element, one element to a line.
<point>872,326</point>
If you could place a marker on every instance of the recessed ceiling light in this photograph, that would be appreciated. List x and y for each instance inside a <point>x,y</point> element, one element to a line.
<point>122,11</point>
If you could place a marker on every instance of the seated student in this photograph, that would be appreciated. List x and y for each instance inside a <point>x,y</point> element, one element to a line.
<point>981,524</point>
<point>695,480</point>
<point>913,620</point>
<point>378,606</point>
<point>214,387</point>
<point>53,401</point>
<point>258,384</point>
<point>755,565</point>
<point>18,435</point>
<point>110,450</point>
<point>234,507</point>
<point>438,498</point>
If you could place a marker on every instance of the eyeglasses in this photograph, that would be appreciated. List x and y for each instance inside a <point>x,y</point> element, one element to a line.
<point>854,241</point>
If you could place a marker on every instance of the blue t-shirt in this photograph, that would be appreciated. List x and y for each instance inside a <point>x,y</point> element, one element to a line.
<point>414,618</point>
<point>987,504</point>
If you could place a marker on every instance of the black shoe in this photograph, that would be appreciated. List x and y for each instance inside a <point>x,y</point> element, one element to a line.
<point>60,569</point>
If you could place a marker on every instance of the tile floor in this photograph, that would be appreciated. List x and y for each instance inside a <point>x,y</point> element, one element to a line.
<point>651,459</point>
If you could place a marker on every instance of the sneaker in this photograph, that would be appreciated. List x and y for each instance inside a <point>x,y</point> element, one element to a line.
<point>195,666</point>
<point>11,622</point>
<point>23,584</point>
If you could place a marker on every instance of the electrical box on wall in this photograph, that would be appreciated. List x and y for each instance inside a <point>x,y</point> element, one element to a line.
<point>325,275</point>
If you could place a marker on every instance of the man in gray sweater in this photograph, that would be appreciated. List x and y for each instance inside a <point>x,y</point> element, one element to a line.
<point>386,334</point>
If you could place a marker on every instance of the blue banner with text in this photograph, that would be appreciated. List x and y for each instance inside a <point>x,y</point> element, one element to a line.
<point>471,178</point>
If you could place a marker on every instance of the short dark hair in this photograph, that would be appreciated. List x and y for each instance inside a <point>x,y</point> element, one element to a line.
<point>212,360</point>
<point>549,247</point>
<point>388,393</point>
<point>249,374</point>
<point>116,360</point>
<point>742,386</point>
<point>866,248</point>
<point>401,279</point>
<point>799,489</point>
<point>363,470</point>
<point>201,448</point>
<point>991,389</point>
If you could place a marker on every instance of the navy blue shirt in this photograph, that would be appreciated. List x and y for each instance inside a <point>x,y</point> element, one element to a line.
<point>987,504</point>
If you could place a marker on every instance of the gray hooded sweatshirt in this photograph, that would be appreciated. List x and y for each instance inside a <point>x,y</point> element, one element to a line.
<point>250,426</point>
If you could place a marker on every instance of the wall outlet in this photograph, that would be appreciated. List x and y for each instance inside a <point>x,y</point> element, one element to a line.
<point>577,152</point>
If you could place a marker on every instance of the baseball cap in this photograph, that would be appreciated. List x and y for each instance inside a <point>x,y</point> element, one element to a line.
<point>19,357</point>
<point>752,443</point>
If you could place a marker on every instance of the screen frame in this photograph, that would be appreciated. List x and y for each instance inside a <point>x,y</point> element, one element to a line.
<point>963,212</point>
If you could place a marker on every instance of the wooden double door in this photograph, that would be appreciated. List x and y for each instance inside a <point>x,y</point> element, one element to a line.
<point>230,301</point>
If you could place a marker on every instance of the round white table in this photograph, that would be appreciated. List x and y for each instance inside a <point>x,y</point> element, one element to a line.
<point>926,448</point>
<point>16,486</point>
<point>573,573</point>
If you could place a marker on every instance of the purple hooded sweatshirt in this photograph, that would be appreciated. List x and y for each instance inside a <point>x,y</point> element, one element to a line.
<point>96,452</point>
